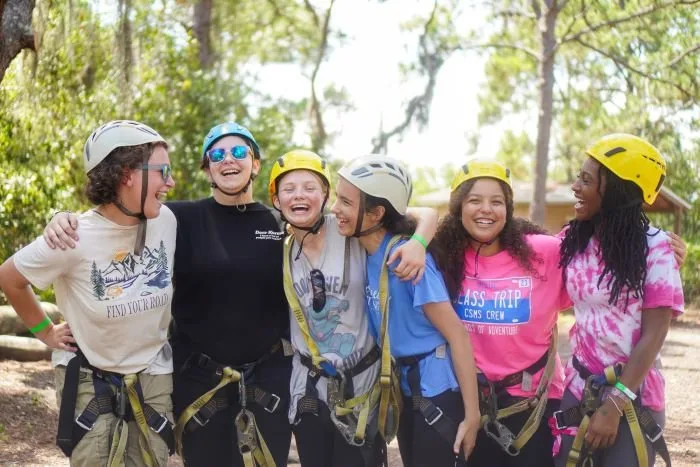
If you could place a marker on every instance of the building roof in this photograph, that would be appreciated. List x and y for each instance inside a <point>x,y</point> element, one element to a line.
<point>558,194</point>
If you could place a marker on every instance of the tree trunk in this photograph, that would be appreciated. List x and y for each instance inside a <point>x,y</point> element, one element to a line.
<point>23,349</point>
<point>15,30</point>
<point>544,119</point>
<point>11,324</point>
<point>202,31</point>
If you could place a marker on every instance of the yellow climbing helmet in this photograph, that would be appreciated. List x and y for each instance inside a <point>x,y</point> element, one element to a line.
<point>479,168</point>
<point>298,159</point>
<point>633,159</point>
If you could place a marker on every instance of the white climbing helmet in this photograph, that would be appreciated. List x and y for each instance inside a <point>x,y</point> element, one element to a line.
<point>113,135</point>
<point>381,177</point>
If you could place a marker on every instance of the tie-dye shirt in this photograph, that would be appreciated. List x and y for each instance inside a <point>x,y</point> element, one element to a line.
<point>605,334</point>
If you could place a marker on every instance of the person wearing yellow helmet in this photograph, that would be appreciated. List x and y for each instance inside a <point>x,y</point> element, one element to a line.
<point>336,357</point>
<point>626,288</point>
<point>230,316</point>
<point>505,285</point>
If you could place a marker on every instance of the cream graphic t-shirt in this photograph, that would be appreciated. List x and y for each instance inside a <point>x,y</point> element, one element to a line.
<point>117,303</point>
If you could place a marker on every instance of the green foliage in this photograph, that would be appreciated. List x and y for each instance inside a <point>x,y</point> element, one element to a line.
<point>691,274</point>
<point>52,100</point>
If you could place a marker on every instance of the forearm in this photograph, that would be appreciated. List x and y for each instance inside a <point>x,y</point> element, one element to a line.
<point>645,352</point>
<point>426,220</point>
<point>465,370</point>
<point>20,295</point>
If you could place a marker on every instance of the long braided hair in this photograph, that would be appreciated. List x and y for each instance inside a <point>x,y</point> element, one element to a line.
<point>452,239</point>
<point>621,228</point>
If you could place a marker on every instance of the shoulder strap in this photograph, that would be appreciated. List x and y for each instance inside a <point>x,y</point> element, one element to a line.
<point>296,306</point>
<point>384,308</point>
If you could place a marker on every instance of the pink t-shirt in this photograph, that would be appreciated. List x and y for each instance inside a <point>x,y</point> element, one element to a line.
<point>605,334</point>
<point>510,315</point>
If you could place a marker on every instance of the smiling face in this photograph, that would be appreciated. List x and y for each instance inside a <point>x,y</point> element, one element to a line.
<point>346,209</point>
<point>232,174</point>
<point>300,196</point>
<point>484,210</point>
<point>157,187</point>
<point>587,189</point>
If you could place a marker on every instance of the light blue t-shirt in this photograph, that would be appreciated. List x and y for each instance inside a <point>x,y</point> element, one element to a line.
<point>410,331</point>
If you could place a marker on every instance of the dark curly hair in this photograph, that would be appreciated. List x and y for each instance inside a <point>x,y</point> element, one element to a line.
<point>105,178</point>
<point>621,227</point>
<point>452,239</point>
<point>393,222</point>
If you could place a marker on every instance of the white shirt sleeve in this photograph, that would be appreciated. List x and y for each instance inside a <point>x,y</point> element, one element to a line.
<point>41,265</point>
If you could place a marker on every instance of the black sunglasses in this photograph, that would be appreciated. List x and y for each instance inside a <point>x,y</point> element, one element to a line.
<point>318,288</point>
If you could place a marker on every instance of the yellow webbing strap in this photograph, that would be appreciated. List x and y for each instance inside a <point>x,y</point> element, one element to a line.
<point>640,447</point>
<point>130,381</point>
<point>390,389</point>
<point>574,456</point>
<point>228,376</point>
<point>294,304</point>
<point>118,446</point>
<point>539,400</point>
<point>253,448</point>
<point>348,406</point>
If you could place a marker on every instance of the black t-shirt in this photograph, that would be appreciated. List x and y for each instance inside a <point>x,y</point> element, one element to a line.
<point>229,298</point>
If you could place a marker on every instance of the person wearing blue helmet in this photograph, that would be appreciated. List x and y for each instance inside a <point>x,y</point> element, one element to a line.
<point>230,316</point>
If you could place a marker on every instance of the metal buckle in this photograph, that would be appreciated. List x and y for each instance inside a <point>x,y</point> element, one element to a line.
<point>437,417</point>
<point>162,425</point>
<point>503,436</point>
<point>556,416</point>
<point>654,437</point>
<point>245,430</point>
<point>196,418</point>
<point>276,399</point>
<point>83,425</point>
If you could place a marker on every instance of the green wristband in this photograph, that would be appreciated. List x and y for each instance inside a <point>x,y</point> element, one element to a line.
<point>420,240</point>
<point>625,390</point>
<point>41,326</point>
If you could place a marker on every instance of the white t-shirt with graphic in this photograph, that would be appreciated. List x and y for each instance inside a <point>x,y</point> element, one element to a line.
<point>116,303</point>
<point>341,328</point>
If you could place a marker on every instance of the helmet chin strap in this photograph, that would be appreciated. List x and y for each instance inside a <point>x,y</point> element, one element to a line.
<point>478,250</point>
<point>360,217</point>
<point>238,192</point>
<point>141,232</point>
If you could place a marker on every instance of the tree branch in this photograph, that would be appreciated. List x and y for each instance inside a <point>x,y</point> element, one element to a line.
<point>419,106</point>
<point>614,22</point>
<point>319,135</point>
<point>310,8</point>
<point>529,52</point>
<point>620,62</point>
<point>684,54</point>
<point>536,8</point>
<point>15,30</point>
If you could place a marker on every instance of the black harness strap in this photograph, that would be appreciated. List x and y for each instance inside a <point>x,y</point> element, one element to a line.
<point>309,402</point>
<point>653,432</point>
<point>267,400</point>
<point>433,415</point>
<point>512,379</point>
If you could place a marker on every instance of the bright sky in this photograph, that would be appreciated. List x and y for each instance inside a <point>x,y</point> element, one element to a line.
<point>368,68</point>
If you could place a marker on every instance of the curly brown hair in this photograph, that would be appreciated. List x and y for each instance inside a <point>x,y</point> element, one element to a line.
<point>452,239</point>
<point>104,180</point>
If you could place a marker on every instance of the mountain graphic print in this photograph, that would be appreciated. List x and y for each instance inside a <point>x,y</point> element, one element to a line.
<point>150,269</point>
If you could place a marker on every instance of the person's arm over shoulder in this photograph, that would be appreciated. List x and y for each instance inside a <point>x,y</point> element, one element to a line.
<point>663,286</point>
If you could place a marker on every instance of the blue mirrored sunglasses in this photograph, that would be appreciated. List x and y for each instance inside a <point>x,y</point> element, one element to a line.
<point>219,154</point>
<point>165,170</point>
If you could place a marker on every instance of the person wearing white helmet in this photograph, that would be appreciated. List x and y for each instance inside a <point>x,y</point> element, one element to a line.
<point>113,362</point>
<point>440,419</point>
<point>230,317</point>
<point>336,363</point>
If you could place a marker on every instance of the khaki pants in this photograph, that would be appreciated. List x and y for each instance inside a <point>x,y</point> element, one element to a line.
<point>93,449</point>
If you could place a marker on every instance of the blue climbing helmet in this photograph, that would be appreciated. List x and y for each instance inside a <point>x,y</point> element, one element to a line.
<point>229,129</point>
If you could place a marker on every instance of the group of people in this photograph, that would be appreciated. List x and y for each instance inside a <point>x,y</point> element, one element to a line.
<point>219,327</point>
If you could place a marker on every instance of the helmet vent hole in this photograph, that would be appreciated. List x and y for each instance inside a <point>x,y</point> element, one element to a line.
<point>614,151</point>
